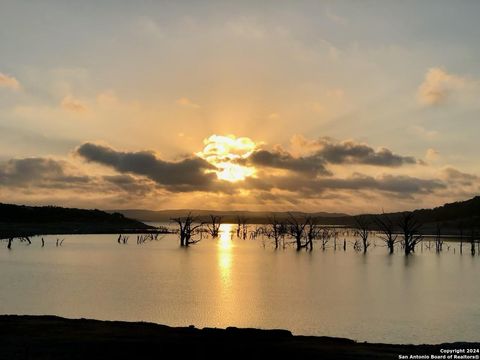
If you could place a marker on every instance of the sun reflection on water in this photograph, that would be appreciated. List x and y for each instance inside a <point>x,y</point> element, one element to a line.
<point>225,252</point>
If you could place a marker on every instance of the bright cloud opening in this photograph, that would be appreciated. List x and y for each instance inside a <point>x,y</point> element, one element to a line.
<point>225,152</point>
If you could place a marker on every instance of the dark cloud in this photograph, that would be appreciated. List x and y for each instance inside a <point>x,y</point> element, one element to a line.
<point>130,184</point>
<point>350,152</point>
<point>313,164</point>
<point>328,151</point>
<point>185,175</point>
<point>142,175</point>
<point>32,175</point>
<point>455,176</point>
<point>401,185</point>
<point>41,172</point>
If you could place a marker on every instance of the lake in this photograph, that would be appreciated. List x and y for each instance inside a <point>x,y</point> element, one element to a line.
<point>375,297</point>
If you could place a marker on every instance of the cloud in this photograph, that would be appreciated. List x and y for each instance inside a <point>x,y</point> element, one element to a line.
<point>314,164</point>
<point>187,103</point>
<point>72,104</point>
<point>49,181</point>
<point>400,185</point>
<point>189,174</point>
<point>40,172</point>
<point>431,154</point>
<point>8,81</point>
<point>351,152</point>
<point>438,86</point>
<point>456,176</point>
<point>130,184</point>
<point>142,177</point>
<point>317,154</point>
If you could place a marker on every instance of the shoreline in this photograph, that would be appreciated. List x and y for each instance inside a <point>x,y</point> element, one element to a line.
<point>53,337</point>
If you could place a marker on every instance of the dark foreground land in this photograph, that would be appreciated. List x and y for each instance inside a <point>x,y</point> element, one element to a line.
<point>49,337</point>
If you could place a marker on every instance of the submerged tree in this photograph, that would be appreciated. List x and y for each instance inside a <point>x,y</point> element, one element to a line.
<point>387,228</point>
<point>296,229</point>
<point>410,228</point>
<point>276,229</point>
<point>438,238</point>
<point>461,227</point>
<point>242,227</point>
<point>312,231</point>
<point>324,234</point>
<point>362,227</point>
<point>472,240</point>
<point>187,229</point>
<point>214,226</point>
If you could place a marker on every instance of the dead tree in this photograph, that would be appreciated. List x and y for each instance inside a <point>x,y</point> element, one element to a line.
<point>142,239</point>
<point>357,246</point>
<point>242,227</point>
<point>311,233</point>
<point>324,234</point>
<point>410,228</point>
<point>362,227</point>
<point>187,229</point>
<point>275,229</point>
<point>472,240</point>
<point>387,228</point>
<point>25,238</point>
<point>296,229</point>
<point>213,227</point>
<point>460,229</point>
<point>438,238</point>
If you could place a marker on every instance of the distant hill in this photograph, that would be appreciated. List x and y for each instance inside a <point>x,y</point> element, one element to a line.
<point>253,217</point>
<point>465,211</point>
<point>452,216</point>
<point>21,220</point>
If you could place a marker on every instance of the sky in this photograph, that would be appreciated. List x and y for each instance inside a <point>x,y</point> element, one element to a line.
<point>351,106</point>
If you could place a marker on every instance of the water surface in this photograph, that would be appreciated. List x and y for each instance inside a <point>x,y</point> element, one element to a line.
<point>425,298</point>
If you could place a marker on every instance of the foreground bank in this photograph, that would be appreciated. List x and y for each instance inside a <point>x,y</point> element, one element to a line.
<point>49,337</point>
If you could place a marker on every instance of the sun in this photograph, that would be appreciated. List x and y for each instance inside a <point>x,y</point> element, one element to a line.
<point>228,155</point>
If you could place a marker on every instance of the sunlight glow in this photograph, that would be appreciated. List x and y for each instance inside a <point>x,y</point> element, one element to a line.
<point>225,251</point>
<point>226,153</point>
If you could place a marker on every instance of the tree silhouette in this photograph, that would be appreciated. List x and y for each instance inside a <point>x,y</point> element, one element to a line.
<point>410,227</point>
<point>214,226</point>
<point>472,240</point>
<point>438,237</point>
<point>296,229</point>
<point>387,228</point>
<point>275,229</point>
<point>461,227</point>
<point>242,227</point>
<point>312,231</point>
<point>362,227</point>
<point>187,229</point>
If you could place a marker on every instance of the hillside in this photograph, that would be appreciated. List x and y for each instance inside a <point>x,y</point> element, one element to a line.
<point>21,220</point>
<point>464,214</point>
<point>253,217</point>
